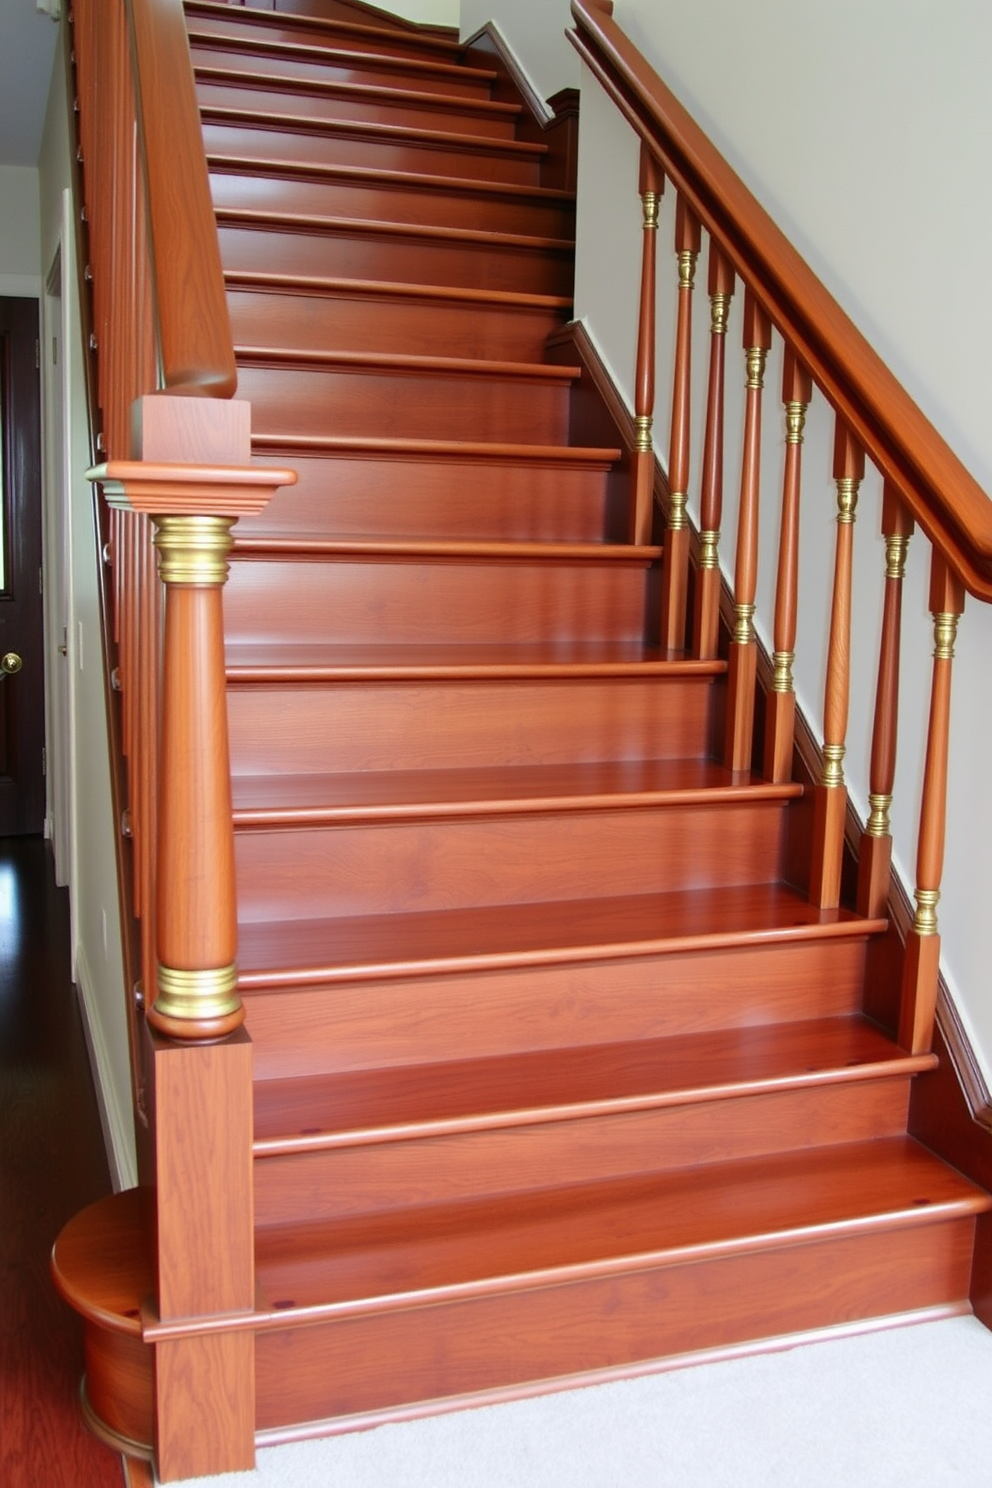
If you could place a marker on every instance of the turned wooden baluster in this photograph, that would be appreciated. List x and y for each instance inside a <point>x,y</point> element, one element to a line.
<point>743,650</point>
<point>922,962</point>
<point>706,627</point>
<point>875,857</point>
<point>675,572</point>
<point>830,796</point>
<point>651,186</point>
<point>780,713</point>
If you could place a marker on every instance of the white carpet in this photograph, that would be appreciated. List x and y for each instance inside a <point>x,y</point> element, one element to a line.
<point>909,1407</point>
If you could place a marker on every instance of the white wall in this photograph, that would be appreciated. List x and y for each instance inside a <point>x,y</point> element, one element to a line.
<point>19,274</point>
<point>866,130</point>
<point>96,932</point>
<point>426,12</point>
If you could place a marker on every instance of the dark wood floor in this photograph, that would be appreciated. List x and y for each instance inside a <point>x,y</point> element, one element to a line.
<point>52,1163</point>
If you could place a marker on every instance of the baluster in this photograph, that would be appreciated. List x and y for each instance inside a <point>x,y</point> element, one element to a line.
<point>922,962</point>
<point>675,572</point>
<point>830,798</point>
<point>743,651</point>
<point>875,857</point>
<point>780,714</point>
<point>707,600</point>
<point>651,186</point>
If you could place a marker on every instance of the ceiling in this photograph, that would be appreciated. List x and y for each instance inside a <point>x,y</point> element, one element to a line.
<point>27,47</point>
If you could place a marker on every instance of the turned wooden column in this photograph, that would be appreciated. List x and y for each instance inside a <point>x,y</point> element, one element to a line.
<point>922,964</point>
<point>675,563</point>
<point>650,186</point>
<point>706,626</point>
<point>743,657</point>
<point>780,710</point>
<point>875,856</point>
<point>830,795</point>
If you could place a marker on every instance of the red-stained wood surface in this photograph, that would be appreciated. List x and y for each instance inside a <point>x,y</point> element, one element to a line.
<point>706,624</point>
<point>651,185</point>
<point>780,705</point>
<point>675,572</point>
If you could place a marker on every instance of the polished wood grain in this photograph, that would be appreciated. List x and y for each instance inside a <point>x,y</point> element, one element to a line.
<point>651,185</point>
<point>780,704</point>
<point>676,570</point>
<point>707,578</point>
<point>303,60</point>
<point>52,1161</point>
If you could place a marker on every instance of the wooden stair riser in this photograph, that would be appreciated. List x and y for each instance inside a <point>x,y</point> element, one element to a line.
<point>428,325</point>
<point>372,1024</point>
<point>419,726</point>
<point>378,1177</point>
<point>351,1366</point>
<point>391,198</point>
<point>412,603</point>
<point>294,60</point>
<point>239,90</point>
<point>422,405</point>
<point>377,41</point>
<point>411,867</point>
<point>354,252</point>
<point>453,497</point>
<point>325,145</point>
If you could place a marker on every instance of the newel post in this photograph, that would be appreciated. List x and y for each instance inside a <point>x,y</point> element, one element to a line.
<point>193,481</point>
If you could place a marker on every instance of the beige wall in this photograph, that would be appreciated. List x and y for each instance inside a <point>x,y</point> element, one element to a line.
<point>96,932</point>
<point>866,130</point>
<point>427,12</point>
<point>19,274</point>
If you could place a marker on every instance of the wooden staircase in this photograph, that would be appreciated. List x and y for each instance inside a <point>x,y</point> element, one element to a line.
<point>557,1071</point>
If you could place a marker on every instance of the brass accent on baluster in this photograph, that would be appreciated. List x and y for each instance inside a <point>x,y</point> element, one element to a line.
<point>687,268</point>
<point>197,996</point>
<point>878,821</point>
<point>925,918</point>
<point>896,552</point>
<point>642,433</point>
<point>833,764</point>
<point>756,358</point>
<point>709,555</point>
<point>782,662</point>
<point>677,519</point>
<point>795,422</point>
<point>651,202</point>
<point>193,550</point>
<point>719,313</point>
<point>848,487</point>
<point>744,624</point>
<point>945,631</point>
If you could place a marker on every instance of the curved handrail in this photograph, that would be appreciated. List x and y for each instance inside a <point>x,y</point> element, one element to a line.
<point>946,500</point>
<point>195,352</point>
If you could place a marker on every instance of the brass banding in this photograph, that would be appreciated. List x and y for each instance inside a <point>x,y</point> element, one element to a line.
<point>833,764</point>
<point>782,674</point>
<point>651,201</point>
<point>925,919</point>
<point>197,996</point>
<point>642,432</point>
<point>744,624</point>
<point>709,556</point>
<point>756,358</point>
<point>896,551</point>
<point>878,821</point>
<point>193,550</point>
<point>945,630</point>
<point>847,498</point>
<point>676,511</point>
<point>795,422</point>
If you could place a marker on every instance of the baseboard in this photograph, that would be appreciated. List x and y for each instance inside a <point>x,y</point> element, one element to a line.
<point>116,1123</point>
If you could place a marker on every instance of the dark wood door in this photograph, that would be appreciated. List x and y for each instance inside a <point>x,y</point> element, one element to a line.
<point>22,682</point>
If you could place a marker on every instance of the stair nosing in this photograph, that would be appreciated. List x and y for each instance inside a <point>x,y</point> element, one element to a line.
<point>300,52</point>
<point>363,92</point>
<point>506,300</point>
<point>246,165</point>
<point>373,132</point>
<point>474,450</point>
<point>899,1066</point>
<point>277,358</point>
<point>262,221</point>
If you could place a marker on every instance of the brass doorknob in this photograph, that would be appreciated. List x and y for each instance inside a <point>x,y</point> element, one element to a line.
<point>10,663</point>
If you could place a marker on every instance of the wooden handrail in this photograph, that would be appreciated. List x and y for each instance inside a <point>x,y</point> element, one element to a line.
<point>947,502</point>
<point>194,336</point>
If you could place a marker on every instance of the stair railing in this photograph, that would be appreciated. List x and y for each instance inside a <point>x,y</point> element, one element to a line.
<point>925,485</point>
<point>175,476</point>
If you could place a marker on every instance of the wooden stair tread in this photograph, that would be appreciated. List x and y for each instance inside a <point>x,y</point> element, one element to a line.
<point>302,284</point>
<point>370,1106</point>
<point>317,661</point>
<point>298,51</point>
<point>461,1250</point>
<point>327,25</point>
<point>278,800</point>
<point>297,221</point>
<point>371,130</point>
<point>313,952</point>
<point>434,449</point>
<point>287,358</point>
<point>233,76</point>
<point>312,170</point>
